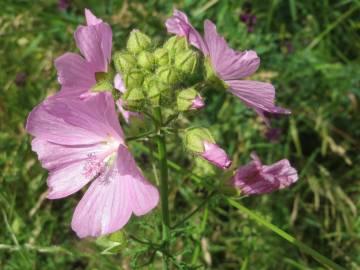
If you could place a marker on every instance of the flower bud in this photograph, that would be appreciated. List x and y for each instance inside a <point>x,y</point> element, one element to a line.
<point>157,92</point>
<point>133,79</point>
<point>176,44</point>
<point>124,62</point>
<point>138,42</point>
<point>189,99</point>
<point>162,57</point>
<point>134,99</point>
<point>146,60</point>
<point>168,75</point>
<point>195,137</point>
<point>200,141</point>
<point>186,61</point>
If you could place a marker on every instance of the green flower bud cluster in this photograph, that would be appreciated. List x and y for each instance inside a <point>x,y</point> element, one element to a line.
<point>156,76</point>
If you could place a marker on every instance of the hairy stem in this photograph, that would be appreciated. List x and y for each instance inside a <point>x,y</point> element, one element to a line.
<point>164,191</point>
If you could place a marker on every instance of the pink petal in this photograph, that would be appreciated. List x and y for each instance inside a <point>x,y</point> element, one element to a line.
<point>179,25</point>
<point>53,155</point>
<point>228,64</point>
<point>74,72</point>
<point>257,95</point>
<point>108,204</point>
<point>91,19</point>
<point>119,83</point>
<point>66,180</point>
<point>255,178</point>
<point>105,207</point>
<point>198,103</point>
<point>75,122</point>
<point>94,42</point>
<point>144,196</point>
<point>217,156</point>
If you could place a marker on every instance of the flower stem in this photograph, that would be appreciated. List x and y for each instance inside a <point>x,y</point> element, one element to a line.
<point>164,191</point>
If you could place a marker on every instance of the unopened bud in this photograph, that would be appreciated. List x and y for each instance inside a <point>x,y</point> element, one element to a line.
<point>195,137</point>
<point>146,60</point>
<point>138,42</point>
<point>189,99</point>
<point>176,44</point>
<point>124,62</point>
<point>186,61</point>
<point>133,79</point>
<point>162,57</point>
<point>134,99</point>
<point>157,92</point>
<point>168,75</point>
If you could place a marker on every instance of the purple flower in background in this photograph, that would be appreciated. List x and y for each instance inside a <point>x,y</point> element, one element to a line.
<point>76,73</point>
<point>228,65</point>
<point>273,134</point>
<point>256,178</point>
<point>216,155</point>
<point>248,17</point>
<point>20,78</point>
<point>63,4</point>
<point>81,141</point>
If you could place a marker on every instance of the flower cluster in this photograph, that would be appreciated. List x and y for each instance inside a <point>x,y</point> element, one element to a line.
<point>79,140</point>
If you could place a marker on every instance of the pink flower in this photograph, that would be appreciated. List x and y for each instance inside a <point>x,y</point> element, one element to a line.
<point>76,73</point>
<point>81,141</point>
<point>229,65</point>
<point>255,178</point>
<point>215,155</point>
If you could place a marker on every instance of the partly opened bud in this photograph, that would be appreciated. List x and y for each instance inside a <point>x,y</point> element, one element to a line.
<point>200,141</point>
<point>189,99</point>
<point>186,61</point>
<point>168,75</point>
<point>146,60</point>
<point>162,57</point>
<point>138,42</point>
<point>124,62</point>
<point>133,79</point>
<point>256,178</point>
<point>134,99</point>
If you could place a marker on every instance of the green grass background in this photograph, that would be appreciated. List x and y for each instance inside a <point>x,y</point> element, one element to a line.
<point>319,80</point>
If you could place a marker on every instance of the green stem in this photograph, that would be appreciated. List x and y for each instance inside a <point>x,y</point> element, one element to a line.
<point>164,191</point>
<point>306,249</point>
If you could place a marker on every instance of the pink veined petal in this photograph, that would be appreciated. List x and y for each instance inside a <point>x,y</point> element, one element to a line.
<point>75,122</point>
<point>144,196</point>
<point>94,42</point>
<point>257,95</point>
<point>217,156</point>
<point>105,207</point>
<point>179,25</point>
<point>255,178</point>
<point>228,64</point>
<point>74,72</point>
<point>109,202</point>
<point>119,83</point>
<point>286,174</point>
<point>91,19</point>
<point>53,155</point>
<point>66,180</point>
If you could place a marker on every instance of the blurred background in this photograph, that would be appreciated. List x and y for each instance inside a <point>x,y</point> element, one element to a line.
<point>309,50</point>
